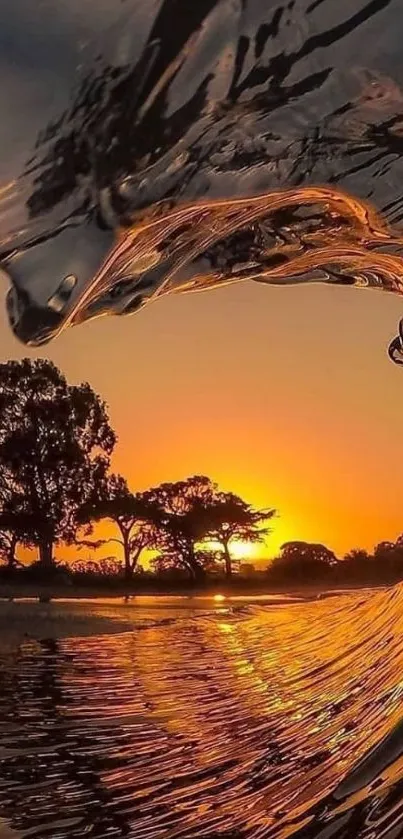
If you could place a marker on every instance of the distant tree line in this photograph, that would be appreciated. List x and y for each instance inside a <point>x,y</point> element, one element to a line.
<point>304,562</point>
<point>56,484</point>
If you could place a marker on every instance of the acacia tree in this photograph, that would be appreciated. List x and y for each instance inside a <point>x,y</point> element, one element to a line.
<point>182,521</point>
<point>55,444</point>
<point>134,516</point>
<point>303,561</point>
<point>230,518</point>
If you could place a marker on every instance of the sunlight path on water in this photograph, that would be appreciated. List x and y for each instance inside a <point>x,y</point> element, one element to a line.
<point>237,721</point>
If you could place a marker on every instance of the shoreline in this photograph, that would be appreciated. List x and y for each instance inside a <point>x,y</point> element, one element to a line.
<point>42,614</point>
<point>62,592</point>
<point>47,614</point>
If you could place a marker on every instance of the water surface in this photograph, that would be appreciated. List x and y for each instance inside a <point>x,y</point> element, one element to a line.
<point>230,722</point>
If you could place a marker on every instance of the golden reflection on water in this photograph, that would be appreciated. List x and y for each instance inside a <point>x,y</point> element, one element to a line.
<point>244,722</point>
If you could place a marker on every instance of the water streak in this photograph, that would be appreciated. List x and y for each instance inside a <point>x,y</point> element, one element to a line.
<point>279,238</point>
<point>245,142</point>
<point>233,723</point>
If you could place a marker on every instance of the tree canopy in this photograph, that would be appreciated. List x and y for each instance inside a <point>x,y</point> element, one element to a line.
<point>229,518</point>
<point>134,515</point>
<point>181,511</point>
<point>195,512</point>
<point>303,561</point>
<point>55,445</point>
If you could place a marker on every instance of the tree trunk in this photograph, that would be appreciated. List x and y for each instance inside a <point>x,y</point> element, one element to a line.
<point>11,558</point>
<point>134,559</point>
<point>228,563</point>
<point>46,553</point>
<point>197,572</point>
<point>191,571</point>
<point>126,554</point>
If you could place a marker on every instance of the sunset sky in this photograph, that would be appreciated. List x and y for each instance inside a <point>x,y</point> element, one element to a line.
<point>285,396</point>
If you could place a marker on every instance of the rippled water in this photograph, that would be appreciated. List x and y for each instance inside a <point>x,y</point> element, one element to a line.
<point>227,722</point>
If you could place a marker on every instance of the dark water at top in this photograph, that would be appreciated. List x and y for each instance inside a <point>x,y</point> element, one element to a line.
<point>222,722</point>
<point>159,146</point>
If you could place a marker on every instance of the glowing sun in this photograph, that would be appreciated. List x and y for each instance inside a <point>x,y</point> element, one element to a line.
<point>244,550</point>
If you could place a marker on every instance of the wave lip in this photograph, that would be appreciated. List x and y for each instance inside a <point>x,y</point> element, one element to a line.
<point>246,145</point>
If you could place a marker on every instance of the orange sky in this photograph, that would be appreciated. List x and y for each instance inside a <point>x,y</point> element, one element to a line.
<point>285,396</point>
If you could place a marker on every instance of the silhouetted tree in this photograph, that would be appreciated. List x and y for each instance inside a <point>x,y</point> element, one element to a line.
<point>358,557</point>
<point>247,569</point>
<point>209,561</point>
<point>302,561</point>
<point>357,564</point>
<point>8,546</point>
<point>15,528</point>
<point>134,515</point>
<point>108,566</point>
<point>183,521</point>
<point>230,518</point>
<point>55,443</point>
<point>388,560</point>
